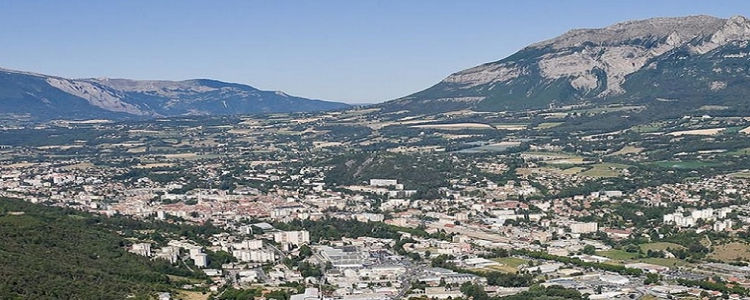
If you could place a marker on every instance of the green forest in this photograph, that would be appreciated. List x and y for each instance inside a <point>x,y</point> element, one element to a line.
<point>54,253</point>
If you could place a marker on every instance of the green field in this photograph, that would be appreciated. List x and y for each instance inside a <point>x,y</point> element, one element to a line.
<point>694,164</point>
<point>660,246</point>
<point>511,261</point>
<point>548,125</point>
<point>742,174</point>
<point>740,152</point>
<point>605,170</point>
<point>617,254</point>
<point>597,110</point>
<point>667,262</point>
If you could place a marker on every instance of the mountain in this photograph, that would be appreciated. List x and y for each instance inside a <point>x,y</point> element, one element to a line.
<point>41,97</point>
<point>689,62</point>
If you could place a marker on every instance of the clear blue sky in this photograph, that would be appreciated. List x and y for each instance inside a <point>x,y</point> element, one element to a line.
<point>350,50</point>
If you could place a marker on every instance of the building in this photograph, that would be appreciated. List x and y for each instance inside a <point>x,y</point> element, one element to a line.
<point>201,260</point>
<point>383,182</point>
<point>310,294</point>
<point>584,227</point>
<point>297,238</point>
<point>256,255</point>
<point>142,249</point>
<point>248,244</point>
<point>343,257</point>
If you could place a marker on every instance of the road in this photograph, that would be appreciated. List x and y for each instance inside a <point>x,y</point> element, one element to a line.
<point>412,270</point>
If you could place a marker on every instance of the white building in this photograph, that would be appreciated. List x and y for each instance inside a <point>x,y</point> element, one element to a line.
<point>310,294</point>
<point>201,260</point>
<point>142,249</point>
<point>248,244</point>
<point>297,238</point>
<point>584,227</point>
<point>705,214</point>
<point>369,217</point>
<point>383,182</point>
<point>169,253</point>
<point>254,255</point>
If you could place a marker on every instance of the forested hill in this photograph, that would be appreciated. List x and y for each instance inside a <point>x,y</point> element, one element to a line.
<point>52,253</point>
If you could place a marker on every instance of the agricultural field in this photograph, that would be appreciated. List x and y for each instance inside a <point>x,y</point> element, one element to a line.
<point>605,170</point>
<point>619,255</point>
<point>626,150</point>
<point>731,251</point>
<point>511,261</point>
<point>660,246</point>
<point>695,164</point>
<point>548,125</point>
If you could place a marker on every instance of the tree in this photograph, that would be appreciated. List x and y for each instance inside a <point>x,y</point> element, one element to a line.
<point>305,251</point>
<point>589,250</point>
<point>474,291</point>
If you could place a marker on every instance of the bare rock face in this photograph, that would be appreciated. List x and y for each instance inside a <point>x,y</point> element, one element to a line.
<point>96,96</point>
<point>44,97</point>
<point>588,63</point>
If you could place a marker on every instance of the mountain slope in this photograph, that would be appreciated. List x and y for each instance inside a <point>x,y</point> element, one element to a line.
<point>42,97</point>
<point>695,57</point>
<point>51,253</point>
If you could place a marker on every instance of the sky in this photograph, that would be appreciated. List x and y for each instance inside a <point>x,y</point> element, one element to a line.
<point>354,51</point>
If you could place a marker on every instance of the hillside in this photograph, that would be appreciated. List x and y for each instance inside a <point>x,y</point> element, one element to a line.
<point>687,61</point>
<point>37,97</point>
<point>51,253</point>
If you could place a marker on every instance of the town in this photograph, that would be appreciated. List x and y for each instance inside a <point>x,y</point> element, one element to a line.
<point>365,205</point>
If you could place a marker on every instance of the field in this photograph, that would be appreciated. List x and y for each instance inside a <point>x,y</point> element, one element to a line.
<point>503,268</point>
<point>511,261</point>
<point>740,152</point>
<point>710,131</point>
<point>731,251</point>
<point>660,246</point>
<point>457,126</point>
<point>598,110</point>
<point>573,170</point>
<point>617,255</point>
<point>548,125</point>
<point>627,150</point>
<point>496,147</point>
<point>192,295</point>
<point>605,170</point>
<point>78,166</point>
<point>695,164</point>
<point>667,262</point>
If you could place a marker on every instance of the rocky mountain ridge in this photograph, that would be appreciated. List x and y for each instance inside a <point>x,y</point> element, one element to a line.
<point>588,65</point>
<point>42,97</point>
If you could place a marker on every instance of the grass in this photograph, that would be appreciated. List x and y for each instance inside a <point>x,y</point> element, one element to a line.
<point>694,164</point>
<point>504,269</point>
<point>551,154</point>
<point>605,170</point>
<point>740,152</point>
<point>660,246</point>
<point>667,262</point>
<point>511,261</point>
<point>731,251</point>
<point>627,150</point>
<point>653,127</point>
<point>573,170</point>
<point>597,110</point>
<point>742,174</point>
<point>617,254</point>
<point>548,125</point>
